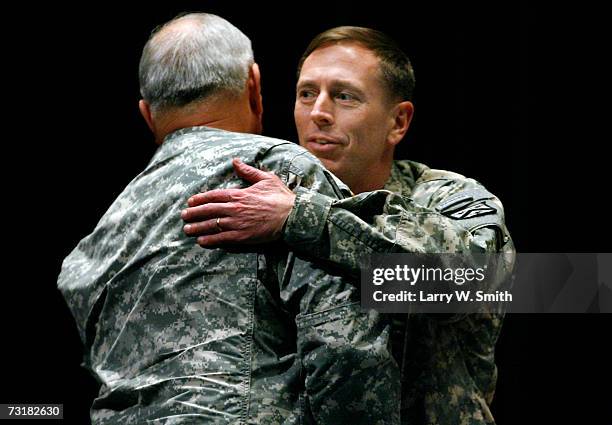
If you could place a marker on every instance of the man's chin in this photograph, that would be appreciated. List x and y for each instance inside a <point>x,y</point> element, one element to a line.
<point>331,165</point>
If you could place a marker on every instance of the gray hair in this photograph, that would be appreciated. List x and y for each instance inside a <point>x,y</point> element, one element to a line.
<point>193,57</point>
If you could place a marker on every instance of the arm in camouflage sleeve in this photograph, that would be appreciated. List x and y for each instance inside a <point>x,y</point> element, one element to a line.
<point>445,213</point>
<point>343,231</point>
<point>320,224</point>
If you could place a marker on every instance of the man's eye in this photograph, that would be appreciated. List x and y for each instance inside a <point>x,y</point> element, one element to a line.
<point>347,97</point>
<point>306,94</point>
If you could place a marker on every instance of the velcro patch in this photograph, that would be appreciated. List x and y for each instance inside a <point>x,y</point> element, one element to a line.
<point>473,210</point>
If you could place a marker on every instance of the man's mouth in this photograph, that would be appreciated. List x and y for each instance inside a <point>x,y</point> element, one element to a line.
<point>324,140</point>
<point>323,148</point>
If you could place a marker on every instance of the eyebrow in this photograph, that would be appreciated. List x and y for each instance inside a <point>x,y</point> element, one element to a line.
<point>335,84</point>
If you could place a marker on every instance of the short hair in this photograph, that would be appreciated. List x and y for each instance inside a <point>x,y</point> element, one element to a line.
<point>395,67</point>
<point>191,58</point>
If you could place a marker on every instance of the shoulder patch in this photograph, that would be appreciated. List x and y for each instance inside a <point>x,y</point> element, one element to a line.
<point>473,210</point>
<point>467,204</point>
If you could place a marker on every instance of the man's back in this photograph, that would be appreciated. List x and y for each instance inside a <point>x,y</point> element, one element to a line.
<point>162,313</point>
<point>176,333</point>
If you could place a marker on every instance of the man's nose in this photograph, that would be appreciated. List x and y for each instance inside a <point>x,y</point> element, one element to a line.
<point>322,111</point>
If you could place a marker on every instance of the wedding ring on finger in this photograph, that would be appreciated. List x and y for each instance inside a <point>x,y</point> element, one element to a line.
<point>219,228</point>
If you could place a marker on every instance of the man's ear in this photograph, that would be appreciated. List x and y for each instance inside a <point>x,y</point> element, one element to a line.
<point>254,86</point>
<point>145,111</point>
<point>402,116</point>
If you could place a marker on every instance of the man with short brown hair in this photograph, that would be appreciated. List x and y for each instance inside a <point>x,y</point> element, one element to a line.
<point>353,106</point>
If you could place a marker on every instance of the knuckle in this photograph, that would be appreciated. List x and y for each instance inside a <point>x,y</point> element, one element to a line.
<point>237,207</point>
<point>196,199</point>
<point>238,195</point>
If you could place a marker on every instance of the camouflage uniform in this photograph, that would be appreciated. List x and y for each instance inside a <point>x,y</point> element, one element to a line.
<point>177,334</point>
<point>448,368</point>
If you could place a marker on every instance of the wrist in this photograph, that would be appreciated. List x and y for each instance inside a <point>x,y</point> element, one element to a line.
<point>307,218</point>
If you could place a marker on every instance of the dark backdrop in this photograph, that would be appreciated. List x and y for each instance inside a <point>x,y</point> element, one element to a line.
<point>78,139</point>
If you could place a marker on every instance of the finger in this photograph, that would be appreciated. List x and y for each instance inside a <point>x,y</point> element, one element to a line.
<point>207,227</point>
<point>207,211</point>
<point>233,236</point>
<point>217,195</point>
<point>248,173</point>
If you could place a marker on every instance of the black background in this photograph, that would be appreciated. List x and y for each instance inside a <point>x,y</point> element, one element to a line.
<point>493,83</point>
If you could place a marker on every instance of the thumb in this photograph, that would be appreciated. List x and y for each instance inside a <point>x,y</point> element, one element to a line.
<point>248,173</point>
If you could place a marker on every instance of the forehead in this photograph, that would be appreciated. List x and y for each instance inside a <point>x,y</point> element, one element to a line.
<point>342,62</point>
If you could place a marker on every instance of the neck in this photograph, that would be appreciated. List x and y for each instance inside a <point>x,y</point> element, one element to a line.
<point>376,180</point>
<point>225,114</point>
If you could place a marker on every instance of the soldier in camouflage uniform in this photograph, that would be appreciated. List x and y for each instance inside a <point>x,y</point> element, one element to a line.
<point>448,367</point>
<point>177,334</point>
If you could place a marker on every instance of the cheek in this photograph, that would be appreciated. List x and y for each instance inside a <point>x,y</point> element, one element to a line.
<point>360,133</point>
<point>298,117</point>
<point>368,142</point>
<point>301,115</point>
<point>360,123</point>
<point>374,130</point>
<point>297,110</point>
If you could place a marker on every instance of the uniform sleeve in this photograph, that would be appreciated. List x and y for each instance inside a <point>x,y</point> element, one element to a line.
<point>344,231</point>
<point>472,207</point>
<point>326,226</point>
<point>468,383</point>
